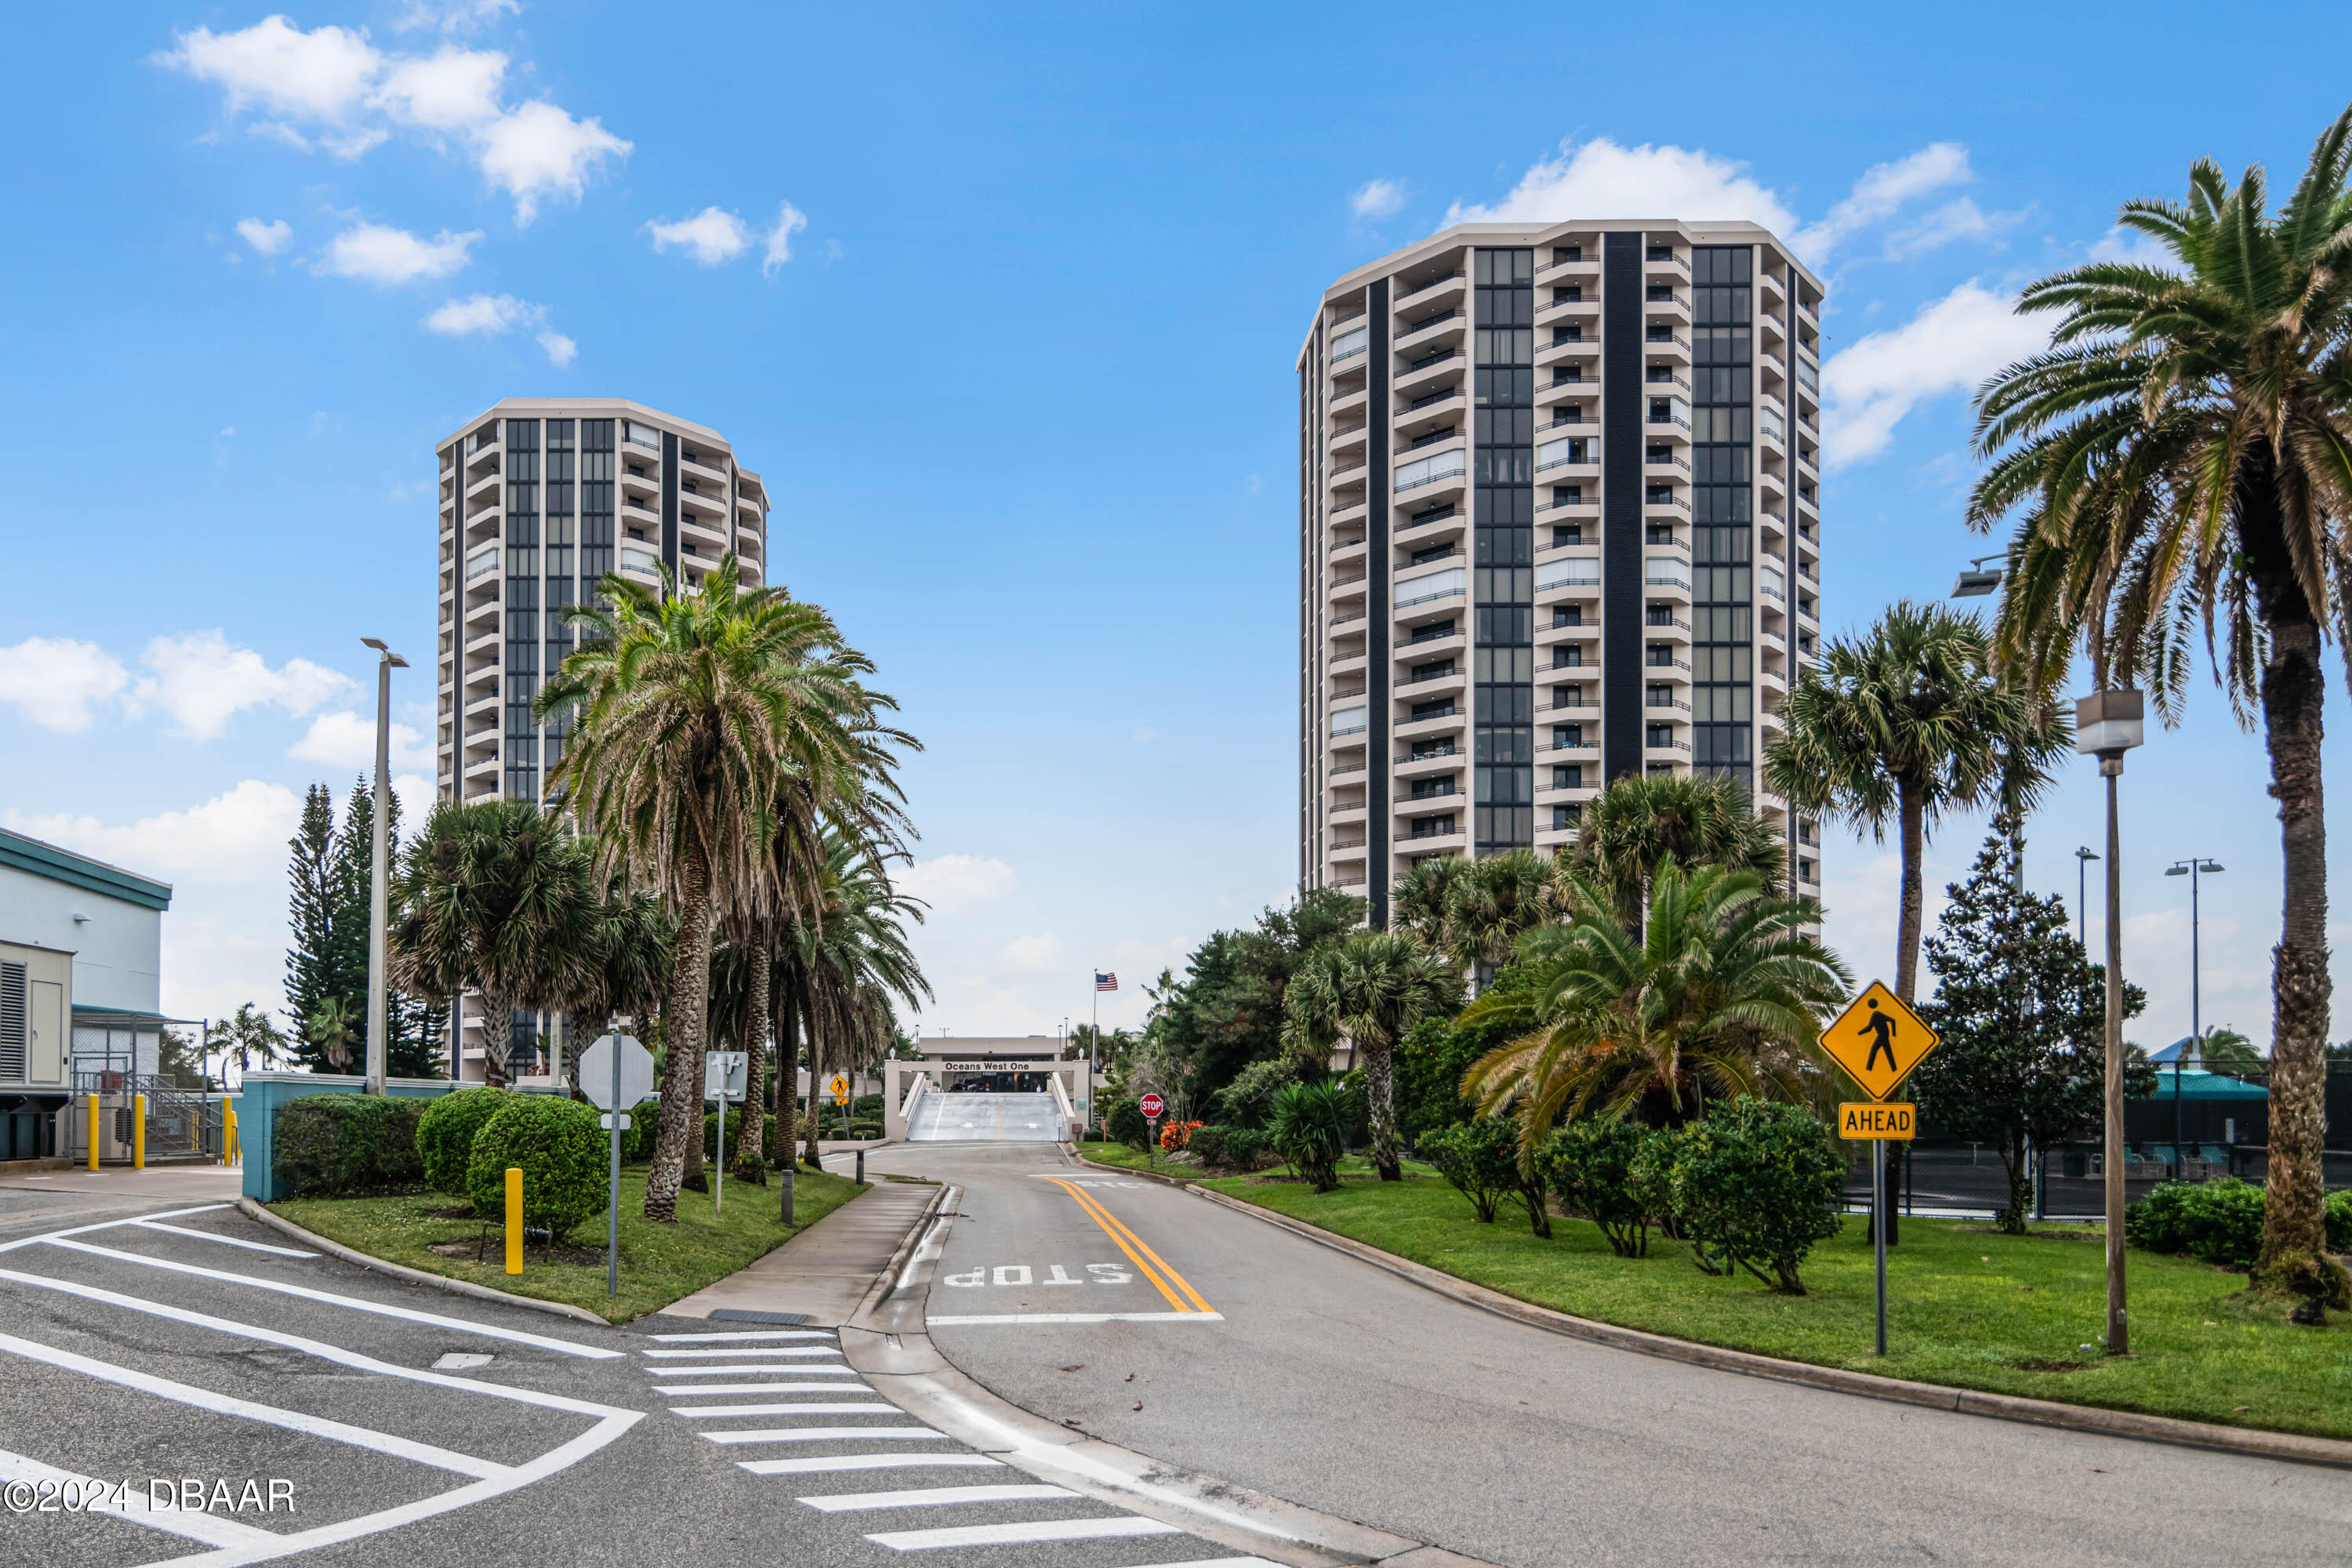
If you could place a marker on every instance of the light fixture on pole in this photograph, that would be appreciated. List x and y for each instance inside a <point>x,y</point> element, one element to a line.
<point>1979,580</point>
<point>378,873</point>
<point>2106,725</point>
<point>2191,868</point>
<point>2082,858</point>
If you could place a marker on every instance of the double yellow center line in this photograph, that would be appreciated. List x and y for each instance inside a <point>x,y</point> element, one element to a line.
<point>1156,1270</point>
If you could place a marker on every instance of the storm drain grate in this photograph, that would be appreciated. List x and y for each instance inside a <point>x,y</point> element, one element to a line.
<point>736,1315</point>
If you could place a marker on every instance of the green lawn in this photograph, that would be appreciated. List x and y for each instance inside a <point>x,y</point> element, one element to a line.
<point>659,1263</point>
<point>1964,1307</point>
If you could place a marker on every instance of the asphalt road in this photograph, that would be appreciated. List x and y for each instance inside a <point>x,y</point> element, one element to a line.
<point>1336,1385</point>
<point>331,1415</point>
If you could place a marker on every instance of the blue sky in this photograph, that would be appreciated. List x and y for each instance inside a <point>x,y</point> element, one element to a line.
<point>1003,304</point>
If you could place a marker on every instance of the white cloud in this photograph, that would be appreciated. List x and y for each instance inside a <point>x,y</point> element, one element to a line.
<point>275,67</point>
<point>345,740</point>
<point>947,879</point>
<point>540,150</point>
<point>790,221</point>
<point>378,253</point>
<point>1604,179</point>
<point>1952,345</point>
<point>269,239</point>
<point>2130,246</point>
<point>239,836</point>
<point>203,682</point>
<point>493,315</point>
<point>713,235</point>
<point>1882,191</point>
<point>55,680</point>
<point>456,16</point>
<point>1377,199</point>
<point>1958,219</point>
<point>1033,954</point>
<point>453,89</point>
<point>1144,735</point>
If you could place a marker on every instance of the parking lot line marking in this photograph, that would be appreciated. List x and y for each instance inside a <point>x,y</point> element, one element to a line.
<point>795,1369</point>
<point>224,1240</point>
<point>1022,1534</point>
<point>825,1435</point>
<point>933,1497</point>
<point>689,1391</point>
<point>384,1309</point>
<point>249,1410</point>
<point>831,1463</point>
<point>787,1407</point>
<point>1118,1241</point>
<point>751,1334</point>
<point>107,1225</point>
<point>1095,1204</point>
<point>779,1350</point>
<point>1077,1317</point>
<point>211,1529</point>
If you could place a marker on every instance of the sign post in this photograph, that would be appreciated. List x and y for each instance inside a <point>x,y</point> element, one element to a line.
<point>1878,1041</point>
<point>614,1073</point>
<point>840,1087</point>
<point>723,1075</point>
<point>1152,1107</point>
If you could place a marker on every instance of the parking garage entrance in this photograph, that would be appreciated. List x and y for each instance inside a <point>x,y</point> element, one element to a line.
<point>998,1082</point>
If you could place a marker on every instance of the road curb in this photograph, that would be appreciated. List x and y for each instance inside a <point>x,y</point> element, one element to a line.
<point>1837,1380</point>
<point>415,1275</point>
<point>889,1278</point>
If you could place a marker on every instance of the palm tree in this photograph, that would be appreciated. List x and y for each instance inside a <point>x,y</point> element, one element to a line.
<point>333,1028</point>
<point>499,899</point>
<point>1418,904</point>
<point>1906,724</point>
<point>2183,453</point>
<point>1638,822</point>
<point>689,706</point>
<point>247,1033</point>
<point>851,961</point>
<point>1371,988</point>
<point>1720,992</point>
<point>1490,902</point>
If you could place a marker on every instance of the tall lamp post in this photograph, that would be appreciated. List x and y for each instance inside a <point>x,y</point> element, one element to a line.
<point>2082,858</point>
<point>378,873</point>
<point>2191,868</point>
<point>2106,725</point>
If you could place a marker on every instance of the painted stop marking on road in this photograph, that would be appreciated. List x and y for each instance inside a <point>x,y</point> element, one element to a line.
<point>1152,1106</point>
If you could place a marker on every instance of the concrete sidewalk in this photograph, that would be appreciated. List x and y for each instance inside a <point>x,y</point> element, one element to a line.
<point>825,1270</point>
<point>164,1184</point>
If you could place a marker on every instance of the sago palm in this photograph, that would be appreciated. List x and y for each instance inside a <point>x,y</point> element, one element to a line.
<point>1371,988</point>
<point>1903,725</point>
<point>1720,992</point>
<point>1639,822</point>
<point>2182,455</point>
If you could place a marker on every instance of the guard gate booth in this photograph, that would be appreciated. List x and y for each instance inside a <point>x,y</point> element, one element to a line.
<point>983,1090</point>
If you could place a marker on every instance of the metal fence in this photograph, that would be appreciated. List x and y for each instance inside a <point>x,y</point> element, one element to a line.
<point>183,1125</point>
<point>1942,1176</point>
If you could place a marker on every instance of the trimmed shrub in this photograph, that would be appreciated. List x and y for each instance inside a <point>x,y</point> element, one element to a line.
<point>2339,1222</point>
<point>561,1153</point>
<point>638,1143</point>
<point>445,1133</point>
<point>1481,1159</point>
<point>347,1145</point>
<point>1128,1125</point>
<point>1589,1163</point>
<point>734,1134</point>
<point>1756,1184</point>
<point>1248,1100</point>
<point>1308,1126</point>
<point>2219,1221</point>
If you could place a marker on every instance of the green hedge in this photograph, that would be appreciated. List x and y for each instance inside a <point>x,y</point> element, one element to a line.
<point>445,1133</point>
<point>564,1155</point>
<point>735,1134</point>
<point>2219,1221</point>
<point>346,1145</point>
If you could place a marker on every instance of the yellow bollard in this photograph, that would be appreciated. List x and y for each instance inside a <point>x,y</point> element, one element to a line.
<point>230,1153</point>
<point>93,1133</point>
<point>514,1219</point>
<point>138,1132</point>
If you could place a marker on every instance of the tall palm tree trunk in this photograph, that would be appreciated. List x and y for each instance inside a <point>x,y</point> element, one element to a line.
<point>812,1122</point>
<point>750,1159</point>
<point>1380,1096</point>
<point>1913,814</point>
<point>2294,1234</point>
<point>680,1124</point>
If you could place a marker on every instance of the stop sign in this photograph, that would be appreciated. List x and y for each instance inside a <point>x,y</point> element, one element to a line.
<point>1152,1106</point>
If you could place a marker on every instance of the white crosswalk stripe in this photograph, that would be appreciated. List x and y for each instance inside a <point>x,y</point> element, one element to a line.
<point>825,1463</point>
<point>1028,1534</point>
<point>689,1390</point>
<point>791,1368</point>
<point>933,1497</point>
<point>827,1434</point>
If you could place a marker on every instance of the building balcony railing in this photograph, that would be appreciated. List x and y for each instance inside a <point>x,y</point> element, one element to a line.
<point>1430,755</point>
<point>1448,673</point>
<point>1440,281</point>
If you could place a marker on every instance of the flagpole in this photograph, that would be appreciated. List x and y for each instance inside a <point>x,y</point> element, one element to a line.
<point>1090,1045</point>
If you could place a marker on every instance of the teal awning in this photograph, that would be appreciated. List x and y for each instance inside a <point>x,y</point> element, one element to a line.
<point>2197,1084</point>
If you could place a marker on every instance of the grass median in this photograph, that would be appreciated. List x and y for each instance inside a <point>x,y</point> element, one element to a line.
<point>1967,1307</point>
<point>1352,1167</point>
<point>659,1263</point>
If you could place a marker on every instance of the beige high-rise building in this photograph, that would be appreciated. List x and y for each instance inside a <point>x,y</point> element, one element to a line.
<point>540,496</point>
<point>1559,522</point>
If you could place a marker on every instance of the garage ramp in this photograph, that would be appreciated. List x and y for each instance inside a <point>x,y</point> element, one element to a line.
<point>943,1117</point>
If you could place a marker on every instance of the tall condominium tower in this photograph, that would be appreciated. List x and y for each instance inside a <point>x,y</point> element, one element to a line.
<point>1559,522</point>
<point>541,497</point>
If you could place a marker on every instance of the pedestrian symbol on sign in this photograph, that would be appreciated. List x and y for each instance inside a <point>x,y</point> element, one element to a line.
<point>1881,1029</point>
<point>1878,1041</point>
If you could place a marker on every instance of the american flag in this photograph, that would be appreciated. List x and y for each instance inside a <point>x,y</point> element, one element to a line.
<point>1104,981</point>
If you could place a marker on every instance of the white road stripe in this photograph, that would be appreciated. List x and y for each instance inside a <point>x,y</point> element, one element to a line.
<point>249,1410</point>
<point>1216,1562</point>
<point>832,1462</point>
<point>1021,1534</point>
<point>757,1334</point>
<point>1080,1318</point>
<point>825,1435</point>
<point>933,1497</point>
<point>409,1314</point>
<point>780,1350</point>
<point>695,1390</point>
<point>781,1369</point>
<point>211,1529</point>
<point>224,1240</point>
<point>803,1407</point>
<point>108,1225</point>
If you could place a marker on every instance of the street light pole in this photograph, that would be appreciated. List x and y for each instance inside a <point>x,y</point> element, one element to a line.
<point>2191,868</point>
<point>2106,725</point>
<point>379,875</point>
<point>2082,858</point>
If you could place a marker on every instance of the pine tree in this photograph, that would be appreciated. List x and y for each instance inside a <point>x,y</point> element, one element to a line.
<point>2023,1012</point>
<point>310,974</point>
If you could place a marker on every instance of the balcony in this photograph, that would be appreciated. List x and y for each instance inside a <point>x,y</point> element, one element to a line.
<point>1441,469</point>
<point>1421,763</point>
<point>1554,308</point>
<point>1446,326</point>
<point>1450,673</point>
<point>1446,830</point>
<point>1430,525</point>
<point>1420,412</point>
<point>1421,374</point>
<point>1430,289</point>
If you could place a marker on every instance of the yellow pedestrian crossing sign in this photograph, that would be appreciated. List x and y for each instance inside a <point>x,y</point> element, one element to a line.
<point>1878,1041</point>
<point>840,1087</point>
